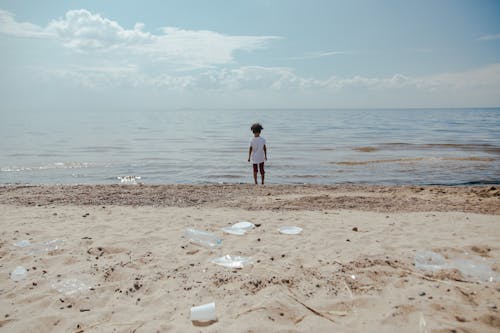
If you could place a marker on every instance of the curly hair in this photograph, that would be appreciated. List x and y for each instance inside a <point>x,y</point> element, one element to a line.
<point>256,128</point>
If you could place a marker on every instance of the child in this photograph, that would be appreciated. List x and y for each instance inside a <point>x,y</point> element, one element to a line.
<point>257,151</point>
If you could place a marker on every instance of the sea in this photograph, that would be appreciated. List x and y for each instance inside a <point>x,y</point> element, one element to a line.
<point>305,146</point>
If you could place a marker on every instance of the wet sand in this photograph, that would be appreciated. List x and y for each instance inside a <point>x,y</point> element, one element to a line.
<point>473,199</point>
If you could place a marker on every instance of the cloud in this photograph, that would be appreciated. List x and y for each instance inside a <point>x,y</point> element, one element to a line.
<point>9,26</point>
<point>84,31</point>
<point>322,54</point>
<point>483,81</point>
<point>105,77</point>
<point>489,37</point>
<point>89,33</point>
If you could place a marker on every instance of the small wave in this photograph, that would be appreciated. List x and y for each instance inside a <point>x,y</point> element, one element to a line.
<point>129,179</point>
<point>398,160</point>
<point>306,176</point>
<point>473,158</point>
<point>57,165</point>
<point>100,149</point>
<point>225,176</point>
<point>488,148</point>
<point>366,149</point>
<point>417,159</point>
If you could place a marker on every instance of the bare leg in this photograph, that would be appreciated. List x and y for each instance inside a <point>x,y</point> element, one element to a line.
<point>255,177</point>
<point>262,177</point>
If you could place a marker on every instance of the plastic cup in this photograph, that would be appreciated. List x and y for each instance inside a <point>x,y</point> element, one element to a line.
<point>19,273</point>
<point>205,312</point>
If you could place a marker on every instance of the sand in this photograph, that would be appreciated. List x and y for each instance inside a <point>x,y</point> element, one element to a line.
<point>350,270</point>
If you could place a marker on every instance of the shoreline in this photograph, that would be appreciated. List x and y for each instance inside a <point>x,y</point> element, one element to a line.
<point>374,198</point>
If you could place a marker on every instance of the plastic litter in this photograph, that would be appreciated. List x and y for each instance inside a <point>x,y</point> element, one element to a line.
<point>475,270</point>
<point>202,238</point>
<point>234,231</point>
<point>47,246</point>
<point>289,230</point>
<point>205,312</point>
<point>19,273</point>
<point>239,228</point>
<point>232,261</point>
<point>422,325</point>
<point>245,225</point>
<point>70,286</point>
<point>22,243</point>
<point>430,261</point>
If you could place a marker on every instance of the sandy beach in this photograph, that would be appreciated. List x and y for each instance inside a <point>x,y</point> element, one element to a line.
<point>351,269</point>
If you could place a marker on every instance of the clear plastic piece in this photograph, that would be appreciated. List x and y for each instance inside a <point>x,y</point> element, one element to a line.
<point>290,230</point>
<point>47,246</point>
<point>245,225</point>
<point>430,261</point>
<point>18,274</point>
<point>205,312</point>
<point>70,286</point>
<point>202,238</point>
<point>239,228</point>
<point>22,243</point>
<point>475,270</point>
<point>232,261</point>
<point>471,267</point>
<point>234,231</point>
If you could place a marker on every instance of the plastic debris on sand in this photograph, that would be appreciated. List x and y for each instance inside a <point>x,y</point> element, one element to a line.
<point>232,261</point>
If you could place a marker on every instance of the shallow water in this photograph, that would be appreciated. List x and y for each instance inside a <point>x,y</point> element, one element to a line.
<point>408,146</point>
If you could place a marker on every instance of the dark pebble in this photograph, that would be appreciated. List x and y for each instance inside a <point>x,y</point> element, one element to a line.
<point>422,293</point>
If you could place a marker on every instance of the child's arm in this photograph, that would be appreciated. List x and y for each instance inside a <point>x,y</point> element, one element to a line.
<point>265,152</point>
<point>249,153</point>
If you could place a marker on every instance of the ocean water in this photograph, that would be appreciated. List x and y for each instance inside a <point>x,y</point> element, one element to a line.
<point>407,146</point>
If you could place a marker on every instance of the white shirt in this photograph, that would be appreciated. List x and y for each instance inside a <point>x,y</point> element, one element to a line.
<point>257,145</point>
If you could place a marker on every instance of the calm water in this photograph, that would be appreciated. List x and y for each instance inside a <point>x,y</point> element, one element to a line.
<point>456,146</point>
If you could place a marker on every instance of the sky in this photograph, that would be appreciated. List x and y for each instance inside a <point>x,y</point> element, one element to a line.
<point>119,55</point>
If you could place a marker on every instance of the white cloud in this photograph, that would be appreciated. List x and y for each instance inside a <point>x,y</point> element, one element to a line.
<point>280,79</point>
<point>9,26</point>
<point>83,31</point>
<point>322,54</point>
<point>99,78</point>
<point>490,37</point>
